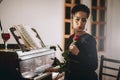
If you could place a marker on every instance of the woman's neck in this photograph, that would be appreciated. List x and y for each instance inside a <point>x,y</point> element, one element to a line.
<point>79,33</point>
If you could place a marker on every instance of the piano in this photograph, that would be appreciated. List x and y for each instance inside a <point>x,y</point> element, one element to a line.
<point>26,64</point>
<point>30,65</point>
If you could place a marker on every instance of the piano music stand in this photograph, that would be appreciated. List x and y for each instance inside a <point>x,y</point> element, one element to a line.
<point>17,38</point>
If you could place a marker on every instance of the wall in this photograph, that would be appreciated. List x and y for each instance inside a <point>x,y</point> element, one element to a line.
<point>113,29</point>
<point>113,32</point>
<point>40,14</point>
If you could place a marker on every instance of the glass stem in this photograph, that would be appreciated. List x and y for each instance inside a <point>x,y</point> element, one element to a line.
<point>5,45</point>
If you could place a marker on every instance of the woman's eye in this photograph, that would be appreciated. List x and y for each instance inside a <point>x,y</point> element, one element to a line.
<point>84,20</point>
<point>77,19</point>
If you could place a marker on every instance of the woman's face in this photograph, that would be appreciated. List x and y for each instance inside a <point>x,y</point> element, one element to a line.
<point>79,20</point>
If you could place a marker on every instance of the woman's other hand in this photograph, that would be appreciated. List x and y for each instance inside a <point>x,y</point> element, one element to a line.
<point>74,49</point>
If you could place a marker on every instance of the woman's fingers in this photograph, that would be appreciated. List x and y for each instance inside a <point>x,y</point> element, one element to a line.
<point>74,49</point>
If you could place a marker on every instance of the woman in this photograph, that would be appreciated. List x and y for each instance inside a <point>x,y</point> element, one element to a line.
<point>82,48</point>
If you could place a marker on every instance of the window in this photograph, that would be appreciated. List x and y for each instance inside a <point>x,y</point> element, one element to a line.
<point>98,23</point>
<point>67,19</point>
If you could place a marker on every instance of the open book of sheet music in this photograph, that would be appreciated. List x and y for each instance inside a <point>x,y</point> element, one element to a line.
<point>29,36</point>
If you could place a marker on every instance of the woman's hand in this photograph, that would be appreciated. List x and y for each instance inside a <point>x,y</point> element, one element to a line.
<point>74,49</point>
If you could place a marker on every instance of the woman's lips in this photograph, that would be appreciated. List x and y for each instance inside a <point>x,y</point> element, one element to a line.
<point>80,27</point>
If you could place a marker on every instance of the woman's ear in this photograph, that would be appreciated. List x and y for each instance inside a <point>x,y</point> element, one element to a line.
<point>72,23</point>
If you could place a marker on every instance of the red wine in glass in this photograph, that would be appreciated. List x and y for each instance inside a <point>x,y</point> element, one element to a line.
<point>5,37</point>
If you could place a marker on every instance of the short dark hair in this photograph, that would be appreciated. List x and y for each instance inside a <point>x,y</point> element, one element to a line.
<point>80,7</point>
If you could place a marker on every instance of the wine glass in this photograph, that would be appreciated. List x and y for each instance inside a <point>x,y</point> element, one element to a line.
<point>5,37</point>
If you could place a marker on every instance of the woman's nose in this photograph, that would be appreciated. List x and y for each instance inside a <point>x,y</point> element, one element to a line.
<point>79,22</point>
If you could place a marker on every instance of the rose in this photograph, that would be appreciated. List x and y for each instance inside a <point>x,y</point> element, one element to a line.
<point>75,38</point>
<point>73,48</point>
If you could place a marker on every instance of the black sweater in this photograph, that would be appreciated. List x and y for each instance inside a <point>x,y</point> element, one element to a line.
<point>83,65</point>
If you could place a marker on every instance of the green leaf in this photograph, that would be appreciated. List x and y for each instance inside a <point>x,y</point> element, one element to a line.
<point>65,54</point>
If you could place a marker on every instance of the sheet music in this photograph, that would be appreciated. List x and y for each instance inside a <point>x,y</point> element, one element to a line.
<point>29,36</point>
